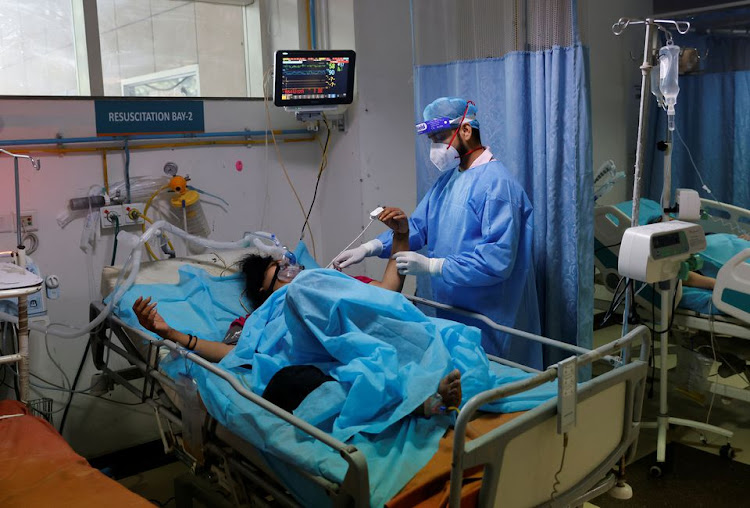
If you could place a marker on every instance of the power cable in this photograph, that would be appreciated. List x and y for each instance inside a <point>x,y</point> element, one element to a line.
<point>556,485</point>
<point>281,160</point>
<point>323,164</point>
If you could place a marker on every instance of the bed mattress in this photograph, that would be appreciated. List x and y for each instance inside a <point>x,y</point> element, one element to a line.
<point>38,468</point>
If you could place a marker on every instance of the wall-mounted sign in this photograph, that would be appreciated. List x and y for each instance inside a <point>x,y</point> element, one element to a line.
<point>123,117</point>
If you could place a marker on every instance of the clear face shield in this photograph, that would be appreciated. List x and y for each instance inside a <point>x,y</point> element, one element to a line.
<point>441,132</point>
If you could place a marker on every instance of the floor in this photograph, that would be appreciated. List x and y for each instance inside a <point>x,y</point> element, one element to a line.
<point>728,414</point>
<point>157,484</point>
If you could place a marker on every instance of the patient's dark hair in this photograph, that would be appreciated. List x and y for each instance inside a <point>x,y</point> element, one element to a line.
<point>254,267</point>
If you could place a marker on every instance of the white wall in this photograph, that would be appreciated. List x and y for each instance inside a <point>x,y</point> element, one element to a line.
<point>373,162</point>
<point>614,78</point>
<point>259,198</point>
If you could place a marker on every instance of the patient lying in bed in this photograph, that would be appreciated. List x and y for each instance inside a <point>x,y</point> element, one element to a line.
<point>291,384</point>
<point>385,356</point>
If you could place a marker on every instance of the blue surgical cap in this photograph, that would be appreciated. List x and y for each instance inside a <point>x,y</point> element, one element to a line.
<point>450,107</point>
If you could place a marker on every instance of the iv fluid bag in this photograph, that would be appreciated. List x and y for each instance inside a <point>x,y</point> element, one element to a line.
<point>669,63</point>
<point>656,85</point>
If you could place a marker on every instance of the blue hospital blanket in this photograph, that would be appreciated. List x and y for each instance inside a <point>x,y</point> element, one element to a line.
<point>649,210</point>
<point>199,303</point>
<point>386,356</point>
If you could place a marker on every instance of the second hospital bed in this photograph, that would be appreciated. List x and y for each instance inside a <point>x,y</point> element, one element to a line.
<point>723,312</point>
<point>519,454</point>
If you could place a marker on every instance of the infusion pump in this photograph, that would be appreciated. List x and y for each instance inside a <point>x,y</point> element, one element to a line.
<point>654,253</point>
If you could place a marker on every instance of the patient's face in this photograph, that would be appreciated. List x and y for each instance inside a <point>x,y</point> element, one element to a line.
<point>268,278</point>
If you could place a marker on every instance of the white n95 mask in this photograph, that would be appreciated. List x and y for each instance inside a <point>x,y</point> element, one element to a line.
<point>444,156</point>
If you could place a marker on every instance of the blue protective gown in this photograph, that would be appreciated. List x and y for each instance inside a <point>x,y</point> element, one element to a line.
<point>481,221</point>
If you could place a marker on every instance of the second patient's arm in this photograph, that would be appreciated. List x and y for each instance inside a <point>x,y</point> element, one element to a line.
<point>696,280</point>
<point>396,219</point>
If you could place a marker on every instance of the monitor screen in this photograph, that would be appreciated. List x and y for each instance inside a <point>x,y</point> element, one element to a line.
<point>314,78</point>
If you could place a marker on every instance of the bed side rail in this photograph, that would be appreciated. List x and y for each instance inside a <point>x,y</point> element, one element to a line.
<point>732,290</point>
<point>724,218</point>
<point>624,384</point>
<point>516,333</point>
<point>609,224</point>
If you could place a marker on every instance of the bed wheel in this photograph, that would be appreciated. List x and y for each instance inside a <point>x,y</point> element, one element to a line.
<point>655,471</point>
<point>727,452</point>
<point>621,491</point>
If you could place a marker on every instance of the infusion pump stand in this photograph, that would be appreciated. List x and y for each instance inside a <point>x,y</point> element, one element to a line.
<point>655,252</point>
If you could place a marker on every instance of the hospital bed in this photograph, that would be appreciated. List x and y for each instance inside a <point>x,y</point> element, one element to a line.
<point>698,311</point>
<point>520,458</point>
<point>38,468</point>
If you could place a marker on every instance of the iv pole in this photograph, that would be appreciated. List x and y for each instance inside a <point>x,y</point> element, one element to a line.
<point>20,288</point>
<point>19,241</point>
<point>666,289</point>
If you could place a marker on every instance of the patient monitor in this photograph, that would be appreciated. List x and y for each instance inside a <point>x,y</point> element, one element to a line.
<point>309,82</point>
<point>655,252</point>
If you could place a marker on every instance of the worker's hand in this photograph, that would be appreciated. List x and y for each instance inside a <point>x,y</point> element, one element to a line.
<point>357,254</point>
<point>414,263</point>
<point>149,319</point>
<point>396,219</point>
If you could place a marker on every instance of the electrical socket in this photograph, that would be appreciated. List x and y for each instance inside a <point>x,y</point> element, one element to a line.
<point>29,222</point>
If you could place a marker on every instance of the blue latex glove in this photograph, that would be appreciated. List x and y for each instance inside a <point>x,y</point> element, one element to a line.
<point>414,263</point>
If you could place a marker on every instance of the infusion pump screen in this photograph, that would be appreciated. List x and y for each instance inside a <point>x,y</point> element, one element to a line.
<point>315,78</point>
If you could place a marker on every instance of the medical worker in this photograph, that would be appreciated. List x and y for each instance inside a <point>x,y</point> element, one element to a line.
<point>477,224</point>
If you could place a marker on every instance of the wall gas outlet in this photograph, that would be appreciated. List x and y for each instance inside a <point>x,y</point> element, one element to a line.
<point>125,215</point>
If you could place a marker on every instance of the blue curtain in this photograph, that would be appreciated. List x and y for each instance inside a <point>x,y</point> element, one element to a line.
<point>712,121</point>
<point>534,114</point>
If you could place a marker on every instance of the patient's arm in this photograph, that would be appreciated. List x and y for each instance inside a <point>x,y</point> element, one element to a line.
<point>396,219</point>
<point>152,321</point>
<point>696,280</point>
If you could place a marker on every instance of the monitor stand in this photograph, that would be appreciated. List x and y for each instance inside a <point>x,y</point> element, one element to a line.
<point>310,113</point>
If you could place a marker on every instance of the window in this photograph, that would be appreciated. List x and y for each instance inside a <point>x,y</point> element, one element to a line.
<point>160,48</point>
<point>37,52</point>
<point>168,48</point>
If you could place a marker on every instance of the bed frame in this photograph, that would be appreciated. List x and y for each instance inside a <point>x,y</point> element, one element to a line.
<point>521,458</point>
